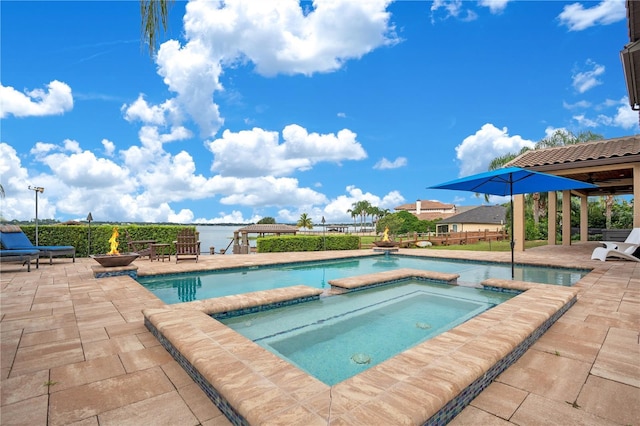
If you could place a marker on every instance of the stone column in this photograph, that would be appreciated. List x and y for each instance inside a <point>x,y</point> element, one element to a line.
<point>566,218</point>
<point>552,216</point>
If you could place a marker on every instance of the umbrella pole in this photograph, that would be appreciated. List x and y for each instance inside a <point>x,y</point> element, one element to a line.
<point>513,244</point>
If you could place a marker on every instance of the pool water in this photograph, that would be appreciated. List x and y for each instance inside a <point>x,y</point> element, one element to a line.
<point>337,337</point>
<point>187,287</point>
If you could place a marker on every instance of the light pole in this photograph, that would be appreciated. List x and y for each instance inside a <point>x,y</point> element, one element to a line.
<point>36,189</point>
<point>324,241</point>
<point>89,219</point>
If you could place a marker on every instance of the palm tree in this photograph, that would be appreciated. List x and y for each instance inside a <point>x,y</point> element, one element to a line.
<point>1,191</point>
<point>152,14</point>
<point>353,214</point>
<point>305,221</point>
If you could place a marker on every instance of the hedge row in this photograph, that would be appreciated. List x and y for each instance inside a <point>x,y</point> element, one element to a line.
<point>78,236</point>
<point>290,243</point>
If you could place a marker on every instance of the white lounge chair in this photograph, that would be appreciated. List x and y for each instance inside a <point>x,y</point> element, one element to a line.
<point>622,250</point>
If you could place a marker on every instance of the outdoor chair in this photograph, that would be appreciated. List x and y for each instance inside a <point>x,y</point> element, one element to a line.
<point>23,256</point>
<point>12,238</point>
<point>621,250</point>
<point>187,245</point>
<point>142,247</point>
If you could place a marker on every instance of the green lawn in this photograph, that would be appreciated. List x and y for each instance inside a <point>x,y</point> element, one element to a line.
<point>481,246</point>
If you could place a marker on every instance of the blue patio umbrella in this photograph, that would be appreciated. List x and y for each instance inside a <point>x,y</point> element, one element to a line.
<point>513,180</point>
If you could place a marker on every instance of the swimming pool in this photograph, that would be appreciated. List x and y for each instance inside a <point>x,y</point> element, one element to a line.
<point>337,337</point>
<point>177,288</point>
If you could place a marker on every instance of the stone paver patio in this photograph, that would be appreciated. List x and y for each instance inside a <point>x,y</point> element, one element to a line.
<point>74,349</point>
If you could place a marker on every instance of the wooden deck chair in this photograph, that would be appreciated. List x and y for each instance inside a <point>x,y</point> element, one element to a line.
<point>187,245</point>
<point>142,247</point>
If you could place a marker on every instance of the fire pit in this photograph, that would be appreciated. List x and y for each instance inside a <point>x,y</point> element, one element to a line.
<point>114,258</point>
<point>385,242</point>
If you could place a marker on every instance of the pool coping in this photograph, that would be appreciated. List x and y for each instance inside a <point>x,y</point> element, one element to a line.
<point>427,384</point>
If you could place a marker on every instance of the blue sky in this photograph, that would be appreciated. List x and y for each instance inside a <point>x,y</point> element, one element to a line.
<point>253,109</point>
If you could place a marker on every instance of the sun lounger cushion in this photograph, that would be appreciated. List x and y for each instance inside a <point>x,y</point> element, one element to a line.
<point>17,240</point>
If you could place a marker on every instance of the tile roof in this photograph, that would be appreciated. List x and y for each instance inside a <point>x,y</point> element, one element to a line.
<point>426,205</point>
<point>618,148</point>
<point>269,228</point>
<point>480,214</point>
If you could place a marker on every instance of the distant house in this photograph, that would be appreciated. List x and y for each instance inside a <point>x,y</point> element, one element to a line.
<point>429,210</point>
<point>479,218</point>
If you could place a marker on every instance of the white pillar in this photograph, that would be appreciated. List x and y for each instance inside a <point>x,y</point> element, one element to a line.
<point>518,222</point>
<point>636,195</point>
<point>566,218</point>
<point>584,219</point>
<point>552,217</point>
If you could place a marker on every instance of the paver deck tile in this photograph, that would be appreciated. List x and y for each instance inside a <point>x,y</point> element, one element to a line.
<point>611,400</point>
<point>537,410</point>
<point>553,376</point>
<point>79,402</point>
<point>95,386</point>
<point>167,409</point>
<point>23,387</point>
<point>72,375</point>
<point>500,400</point>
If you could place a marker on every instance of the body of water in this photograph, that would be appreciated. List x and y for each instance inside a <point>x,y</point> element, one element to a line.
<point>219,236</point>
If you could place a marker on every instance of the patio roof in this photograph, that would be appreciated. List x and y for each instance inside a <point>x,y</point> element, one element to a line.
<point>272,228</point>
<point>607,163</point>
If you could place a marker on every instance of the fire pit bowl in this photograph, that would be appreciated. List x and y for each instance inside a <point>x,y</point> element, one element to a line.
<point>113,260</point>
<point>383,243</point>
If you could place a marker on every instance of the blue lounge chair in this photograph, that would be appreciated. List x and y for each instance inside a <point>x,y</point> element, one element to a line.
<point>12,238</point>
<point>22,256</point>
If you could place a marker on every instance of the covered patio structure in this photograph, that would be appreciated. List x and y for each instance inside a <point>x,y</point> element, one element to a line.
<point>612,164</point>
<point>241,236</point>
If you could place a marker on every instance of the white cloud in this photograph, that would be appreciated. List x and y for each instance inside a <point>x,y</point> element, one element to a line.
<point>336,209</point>
<point>452,9</point>
<point>585,80</point>
<point>456,9</point>
<point>577,18</point>
<point>257,152</point>
<point>478,150</point>
<point>495,6</point>
<point>265,191</point>
<point>234,217</point>
<point>278,37</point>
<point>626,117</point>
<point>109,147</point>
<point>55,101</point>
<point>386,164</point>
<point>152,114</point>
<point>620,115</point>
<point>577,105</point>
<point>583,121</point>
